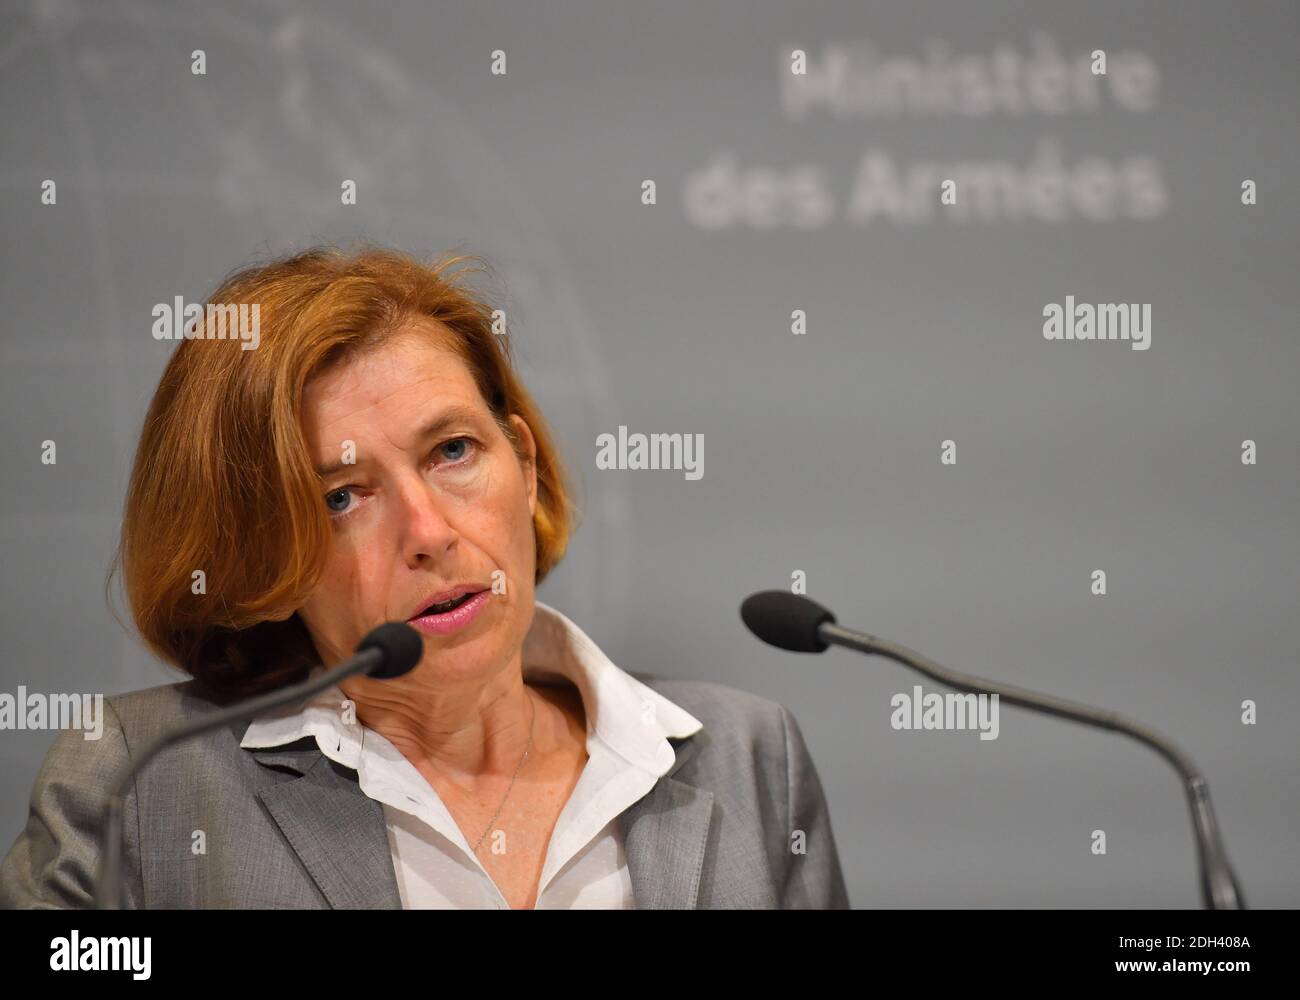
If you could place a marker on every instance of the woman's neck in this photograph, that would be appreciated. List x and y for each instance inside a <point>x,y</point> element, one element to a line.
<point>472,734</point>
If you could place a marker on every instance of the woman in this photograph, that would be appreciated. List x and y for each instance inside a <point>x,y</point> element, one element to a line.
<point>374,457</point>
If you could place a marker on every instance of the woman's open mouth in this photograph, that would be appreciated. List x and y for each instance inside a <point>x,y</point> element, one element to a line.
<point>441,619</point>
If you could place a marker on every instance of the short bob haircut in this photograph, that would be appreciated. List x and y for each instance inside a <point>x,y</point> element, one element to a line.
<point>223,479</point>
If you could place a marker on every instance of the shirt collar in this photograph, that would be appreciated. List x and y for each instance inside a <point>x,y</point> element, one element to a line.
<point>626,714</point>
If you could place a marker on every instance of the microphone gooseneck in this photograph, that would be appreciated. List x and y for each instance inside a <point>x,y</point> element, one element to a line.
<point>793,622</point>
<point>387,651</point>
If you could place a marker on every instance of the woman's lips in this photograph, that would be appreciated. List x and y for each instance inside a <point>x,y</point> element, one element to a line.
<point>455,619</point>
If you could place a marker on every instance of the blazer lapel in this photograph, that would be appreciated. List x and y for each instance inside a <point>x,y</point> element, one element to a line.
<point>664,838</point>
<point>339,834</point>
<point>337,831</point>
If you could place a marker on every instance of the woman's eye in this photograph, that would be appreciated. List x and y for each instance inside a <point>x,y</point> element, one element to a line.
<point>343,492</point>
<point>463,444</point>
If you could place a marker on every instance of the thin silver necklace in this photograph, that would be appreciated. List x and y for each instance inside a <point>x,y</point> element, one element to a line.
<point>527,748</point>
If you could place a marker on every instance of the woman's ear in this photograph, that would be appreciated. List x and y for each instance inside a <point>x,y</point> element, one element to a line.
<point>528,445</point>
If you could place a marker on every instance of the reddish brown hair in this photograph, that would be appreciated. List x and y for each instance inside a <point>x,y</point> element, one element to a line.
<point>223,479</point>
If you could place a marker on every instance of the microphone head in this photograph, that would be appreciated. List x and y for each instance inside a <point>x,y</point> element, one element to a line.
<point>401,645</point>
<point>785,620</point>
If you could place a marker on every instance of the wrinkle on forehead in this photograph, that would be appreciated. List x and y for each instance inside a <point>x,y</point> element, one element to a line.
<point>364,375</point>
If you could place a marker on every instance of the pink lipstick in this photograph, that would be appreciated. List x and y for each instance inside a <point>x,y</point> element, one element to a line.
<point>464,611</point>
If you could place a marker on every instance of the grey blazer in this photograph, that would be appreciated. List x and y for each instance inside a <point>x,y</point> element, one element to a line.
<point>289,827</point>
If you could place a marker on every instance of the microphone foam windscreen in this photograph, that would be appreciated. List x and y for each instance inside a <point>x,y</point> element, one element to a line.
<point>401,645</point>
<point>785,620</point>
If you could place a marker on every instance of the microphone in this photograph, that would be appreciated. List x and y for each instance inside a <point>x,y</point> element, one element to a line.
<point>388,651</point>
<point>792,622</point>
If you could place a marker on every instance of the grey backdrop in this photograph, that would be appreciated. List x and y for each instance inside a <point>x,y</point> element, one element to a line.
<point>823,450</point>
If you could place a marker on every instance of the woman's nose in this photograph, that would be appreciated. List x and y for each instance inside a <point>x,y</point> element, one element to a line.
<point>426,526</point>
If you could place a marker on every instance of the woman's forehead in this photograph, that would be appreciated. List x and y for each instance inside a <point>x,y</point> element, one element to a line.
<point>405,370</point>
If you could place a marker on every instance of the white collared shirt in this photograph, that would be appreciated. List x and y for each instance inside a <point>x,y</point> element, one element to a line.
<point>628,725</point>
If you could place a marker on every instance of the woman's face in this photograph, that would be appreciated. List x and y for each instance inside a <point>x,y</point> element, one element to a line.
<point>422,510</point>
